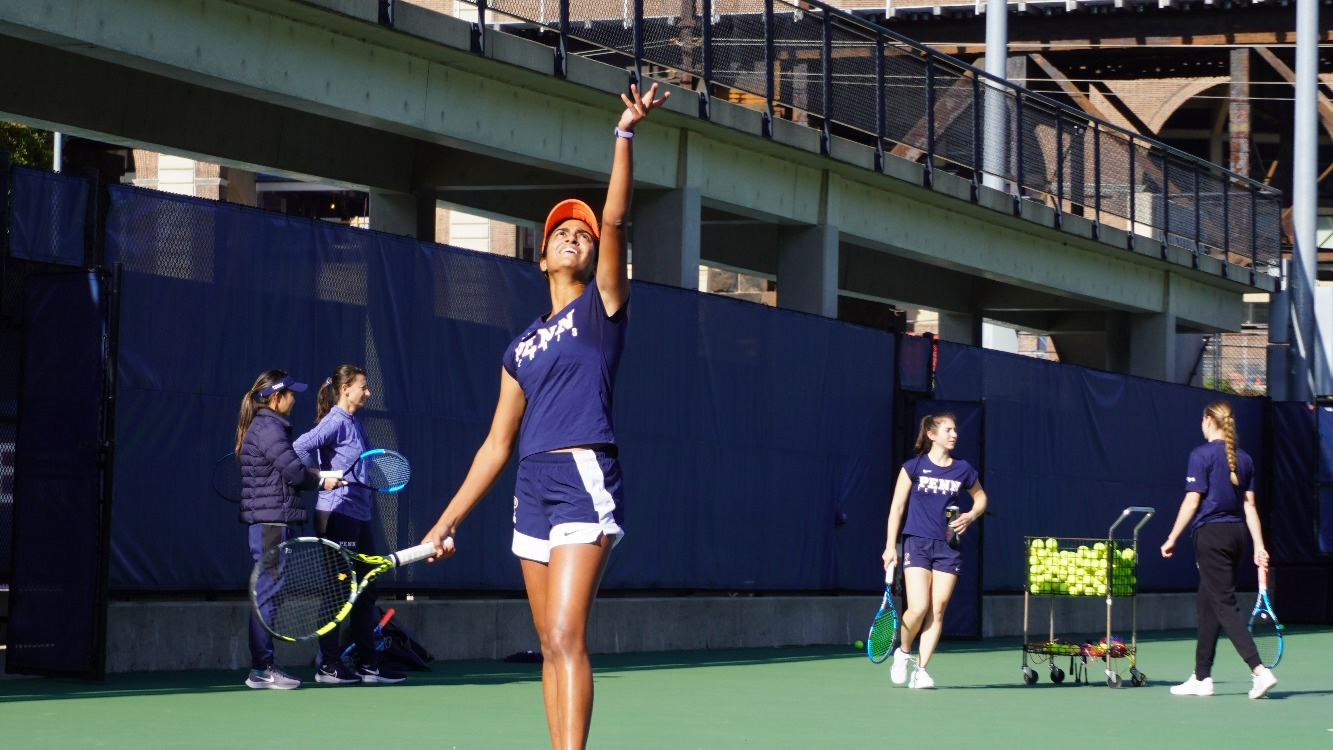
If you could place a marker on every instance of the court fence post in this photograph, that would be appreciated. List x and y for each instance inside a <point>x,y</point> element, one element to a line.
<point>94,226</point>
<point>1166,201</point>
<point>705,96</point>
<point>1059,168</point>
<point>1133,195</point>
<point>1018,152</point>
<point>562,43</point>
<point>826,55</point>
<point>1198,216</point>
<point>1096,179</point>
<point>638,43</point>
<point>880,124</point>
<point>928,176</point>
<point>479,28</point>
<point>770,65</point>
<point>976,137</point>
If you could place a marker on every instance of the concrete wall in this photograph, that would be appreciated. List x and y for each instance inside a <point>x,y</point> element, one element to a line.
<point>153,636</point>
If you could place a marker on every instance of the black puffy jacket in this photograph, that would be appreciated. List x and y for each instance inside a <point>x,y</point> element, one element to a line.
<point>271,472</point>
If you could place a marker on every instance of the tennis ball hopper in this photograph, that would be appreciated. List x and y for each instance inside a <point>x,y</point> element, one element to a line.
<point>1084,568</point>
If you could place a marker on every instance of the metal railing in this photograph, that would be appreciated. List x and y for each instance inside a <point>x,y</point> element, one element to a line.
<point>819,65</point>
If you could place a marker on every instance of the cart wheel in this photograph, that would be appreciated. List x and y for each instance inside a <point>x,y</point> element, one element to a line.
<point>1029,675</point>
<point>1113,680</point>
<point>1138,679</point>
<point>1057,675</point>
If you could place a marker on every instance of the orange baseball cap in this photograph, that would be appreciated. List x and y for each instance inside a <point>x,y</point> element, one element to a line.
<point>571,208</point>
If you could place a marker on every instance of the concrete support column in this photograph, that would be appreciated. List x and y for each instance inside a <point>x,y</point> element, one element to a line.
<point>960,328</point>
<point>667,237</point>
<point>406,214</point>
<point>1152,340</point>
<point>808,270</point>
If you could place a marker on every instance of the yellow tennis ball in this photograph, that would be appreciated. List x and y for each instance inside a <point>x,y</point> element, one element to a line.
<point>1127,553</point>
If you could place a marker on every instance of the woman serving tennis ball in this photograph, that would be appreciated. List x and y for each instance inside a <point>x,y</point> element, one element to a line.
<point>555,401</point>
<point>928,486</point>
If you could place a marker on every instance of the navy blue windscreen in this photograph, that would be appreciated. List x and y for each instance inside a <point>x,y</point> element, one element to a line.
<point>1068,448</point>
<point>56,609</point>
<point>745,432</point>
<point>1325,509</point>
<point>47,216</point>
<point>1300,448</point>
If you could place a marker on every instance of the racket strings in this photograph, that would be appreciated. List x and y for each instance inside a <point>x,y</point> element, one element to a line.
<point>301,587</point>
<point>227,478</point>
<point>385,470</point>
<point>881,635</point>
<point>1267,639</point>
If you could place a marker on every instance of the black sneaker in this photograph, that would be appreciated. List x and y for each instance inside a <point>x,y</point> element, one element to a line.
<point>336,673</point>
<point>376,673</point>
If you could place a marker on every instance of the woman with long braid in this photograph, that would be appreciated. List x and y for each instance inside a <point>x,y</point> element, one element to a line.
<point>1219,498</point>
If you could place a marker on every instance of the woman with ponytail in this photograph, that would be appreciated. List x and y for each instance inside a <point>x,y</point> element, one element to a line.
<point>271,476</point>
<point>928,485</point>
<point>342,515</point>
<point>1219,498</point>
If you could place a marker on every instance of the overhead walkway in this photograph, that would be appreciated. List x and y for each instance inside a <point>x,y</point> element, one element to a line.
<point>875,189</point>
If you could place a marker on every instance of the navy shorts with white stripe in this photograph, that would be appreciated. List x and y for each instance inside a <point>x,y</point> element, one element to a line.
<point>565,498</point>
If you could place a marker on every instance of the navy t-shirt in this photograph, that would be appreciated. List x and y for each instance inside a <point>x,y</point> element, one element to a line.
<point>1209,475</point>
<point>933,489</point>
<point>566,364</point>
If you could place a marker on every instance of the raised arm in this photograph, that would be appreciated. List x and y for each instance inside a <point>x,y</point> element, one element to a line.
<point>486,466</point>
<point>612,278</point>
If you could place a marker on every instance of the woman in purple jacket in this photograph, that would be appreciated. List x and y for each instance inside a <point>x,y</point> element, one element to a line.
<point>343,515</point>
<point>271,476</point>
<point>555,402</point>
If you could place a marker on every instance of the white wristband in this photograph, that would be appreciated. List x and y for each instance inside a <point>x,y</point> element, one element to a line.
<point>626,134</point>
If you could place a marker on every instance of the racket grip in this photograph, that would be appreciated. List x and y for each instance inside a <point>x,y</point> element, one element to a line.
<point>417,553</point>
<point>385,619</point>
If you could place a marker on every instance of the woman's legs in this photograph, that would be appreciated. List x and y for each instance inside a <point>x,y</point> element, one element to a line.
<point>941,589</point>
<point>1220,550</point>
<point>917,617</point>
<point>534,580</point>
<point>564,600</point>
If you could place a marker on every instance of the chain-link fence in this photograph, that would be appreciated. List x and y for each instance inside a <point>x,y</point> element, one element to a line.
<point>819,65</point>
<point>1236,363</point>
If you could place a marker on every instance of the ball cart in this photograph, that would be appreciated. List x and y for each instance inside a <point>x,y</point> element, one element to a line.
<point>1084,567</point>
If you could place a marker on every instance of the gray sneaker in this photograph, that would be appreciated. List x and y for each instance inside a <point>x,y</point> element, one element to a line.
<point>271,679</point>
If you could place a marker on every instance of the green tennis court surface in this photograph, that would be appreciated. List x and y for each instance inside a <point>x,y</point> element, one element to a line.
<point>753,698</point>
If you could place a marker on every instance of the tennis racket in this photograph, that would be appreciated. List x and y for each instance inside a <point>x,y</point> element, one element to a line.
<point>380,470</point>
<point>227,478</point>
<point>304,587</point>
<point>1264,627</point>
<point>883,631</point>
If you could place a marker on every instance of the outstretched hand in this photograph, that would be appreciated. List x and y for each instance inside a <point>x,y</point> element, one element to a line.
<point>638,106</point>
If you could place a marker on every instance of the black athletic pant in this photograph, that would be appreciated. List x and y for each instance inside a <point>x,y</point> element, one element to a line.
<point>1220,550</point>
<point>355,535</point>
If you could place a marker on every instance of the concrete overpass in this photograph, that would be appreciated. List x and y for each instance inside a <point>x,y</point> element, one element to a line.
<point>317,89</point>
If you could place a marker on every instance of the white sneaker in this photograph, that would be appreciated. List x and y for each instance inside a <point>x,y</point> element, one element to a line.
<point>1194,686</point>
<point>921,680</point>
<point>1263,682</point>
<point>271,679</point>
<point>898,671</point>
